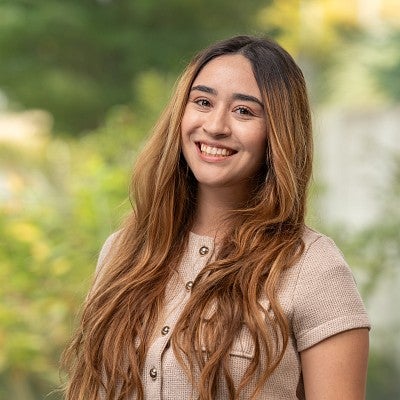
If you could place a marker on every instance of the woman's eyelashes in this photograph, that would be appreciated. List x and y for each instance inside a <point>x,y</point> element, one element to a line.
<point>243,111</point>
<point>240,110</point>
<point>204,103</point>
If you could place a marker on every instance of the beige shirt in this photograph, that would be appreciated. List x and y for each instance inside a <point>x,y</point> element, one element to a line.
<point>318,295</point>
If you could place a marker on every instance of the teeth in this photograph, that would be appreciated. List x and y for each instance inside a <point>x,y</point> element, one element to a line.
<point>214,151</point>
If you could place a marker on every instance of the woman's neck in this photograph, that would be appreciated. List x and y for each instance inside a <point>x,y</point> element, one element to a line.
<point>213,207</point>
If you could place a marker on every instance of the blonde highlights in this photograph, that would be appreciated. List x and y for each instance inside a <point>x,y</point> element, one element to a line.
<point>239,287</point>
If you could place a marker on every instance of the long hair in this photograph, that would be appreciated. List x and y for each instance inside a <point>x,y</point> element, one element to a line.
<point>109,348</point>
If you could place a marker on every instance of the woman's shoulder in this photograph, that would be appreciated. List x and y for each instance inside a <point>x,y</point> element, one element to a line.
<point>311,235</point>
<point>319,250</point>
<point>321,266</point>
<point>106,249</point>
<point>321,261</point>
<point>320,254</point>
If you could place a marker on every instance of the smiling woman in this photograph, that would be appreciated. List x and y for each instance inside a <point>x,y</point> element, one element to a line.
<point>215,288</point>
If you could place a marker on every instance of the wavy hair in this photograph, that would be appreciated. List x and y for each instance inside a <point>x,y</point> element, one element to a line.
<point>108,350</point>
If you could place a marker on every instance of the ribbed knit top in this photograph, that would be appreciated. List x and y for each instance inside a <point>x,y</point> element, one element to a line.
<point>318,295</point>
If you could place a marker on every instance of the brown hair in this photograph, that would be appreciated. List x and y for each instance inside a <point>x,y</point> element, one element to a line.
<point>109,348</point>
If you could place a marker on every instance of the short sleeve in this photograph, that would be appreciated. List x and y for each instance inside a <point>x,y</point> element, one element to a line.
<point>326,299</point>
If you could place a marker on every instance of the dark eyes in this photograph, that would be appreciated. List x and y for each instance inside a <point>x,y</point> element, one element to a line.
<point>242,111</point>
<point>203,102</point>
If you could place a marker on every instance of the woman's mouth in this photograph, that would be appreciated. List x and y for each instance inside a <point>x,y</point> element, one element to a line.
<point>211,151</point>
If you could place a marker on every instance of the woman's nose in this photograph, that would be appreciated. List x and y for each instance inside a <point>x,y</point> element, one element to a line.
<point>216,122</point>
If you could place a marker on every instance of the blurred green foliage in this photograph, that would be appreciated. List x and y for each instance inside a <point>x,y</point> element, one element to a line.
<point>71,197</point>
<point>85,55</point>
<point>387,70</point>
<point>382,381</point>
<point>104,70</point>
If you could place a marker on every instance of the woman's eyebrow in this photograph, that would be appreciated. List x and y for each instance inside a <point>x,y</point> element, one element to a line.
<point>235,96</point>
<point>205,89</point>
<point>247,97</point>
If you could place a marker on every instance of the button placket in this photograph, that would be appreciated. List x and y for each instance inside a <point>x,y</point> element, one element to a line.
<point>155,370</point>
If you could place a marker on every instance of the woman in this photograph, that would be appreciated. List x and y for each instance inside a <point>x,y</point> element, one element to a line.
<point>215,288</point>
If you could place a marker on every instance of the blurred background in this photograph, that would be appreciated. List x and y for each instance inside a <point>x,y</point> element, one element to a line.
<point>81,84</point>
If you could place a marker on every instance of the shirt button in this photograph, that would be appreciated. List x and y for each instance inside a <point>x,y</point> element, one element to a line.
<point>204,250</point>
<point>153,373</point>
<point>189,286</point>
<point>165,330</point>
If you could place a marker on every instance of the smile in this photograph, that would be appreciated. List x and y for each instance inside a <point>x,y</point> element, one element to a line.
<point>215,151</point>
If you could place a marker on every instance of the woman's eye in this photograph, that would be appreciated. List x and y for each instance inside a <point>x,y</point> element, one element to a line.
<point>243,111</point>
<point>202,102</point>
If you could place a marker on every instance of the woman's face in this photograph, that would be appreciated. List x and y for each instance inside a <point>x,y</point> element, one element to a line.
<point>223,129</point>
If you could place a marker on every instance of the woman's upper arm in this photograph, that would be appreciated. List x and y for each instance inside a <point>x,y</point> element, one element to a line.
<point>336,368</point>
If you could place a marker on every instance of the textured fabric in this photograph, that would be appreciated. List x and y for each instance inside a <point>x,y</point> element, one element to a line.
<point>318,295</point>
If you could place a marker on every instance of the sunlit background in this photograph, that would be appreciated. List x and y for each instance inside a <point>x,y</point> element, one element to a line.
<point>82,82</point>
